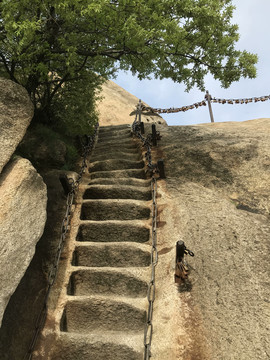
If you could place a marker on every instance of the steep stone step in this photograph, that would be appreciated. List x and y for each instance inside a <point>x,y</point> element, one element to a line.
<point>99,346</point>
<point>125,146</point>
<point>103,312</point>
<point>117,136</point>
<point>113,231</point>
<point>116,142</point>
<point>116,154</point>
<point>117,192</point>
<point>128,143</point>
<point>114,210</point>
<point>104,131</point>
<point>120,134</point>
<point>85,315</point>
<point>121,181</point>
<point>133,173</point>
<point>106,282</point>
<point>113,128</point>
<point>115,164</point>
<point>131,150</point>
<point>111,255</point>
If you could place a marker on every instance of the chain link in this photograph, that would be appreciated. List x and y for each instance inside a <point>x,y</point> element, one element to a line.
<point>203,103</point>
<point>87,148</point>
<point>148,331</point>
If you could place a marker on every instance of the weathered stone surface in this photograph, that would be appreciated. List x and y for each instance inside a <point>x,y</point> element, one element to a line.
<point>20,316</point>
<point>88,315</point>
<point>113,231</point>
<point>114,209</point>
<point>115,174</point>
<point>71,346</point>
<point>113,255</point>
<point>115,164</point>
<point>106,282</point>
<point>16,112</point>
<point>118,105</point>
<point>117,192</point>
<point>23,199</point>
<point>216,199</point>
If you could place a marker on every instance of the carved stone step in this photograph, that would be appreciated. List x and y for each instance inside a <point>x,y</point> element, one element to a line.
<point>114,128</point>
<point>117,192</point>
<point>116,154</point>
<point>113,231</point>
<point>116,142</point>
<point>115,164</point>
<point>85,315</point>
<point>116,135</point>
<point>106,282</point>
<point>111,255</point>
<point>114,210</point>
<point>127,149</point>
<point>115,131</point>
<point>121,181</point>
<point>133,173</point>
<point>105,345</point>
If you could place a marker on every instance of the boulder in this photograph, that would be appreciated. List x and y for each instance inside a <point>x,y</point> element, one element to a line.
<point>118,107</point>
<point>16,112</point>
<point>23,200</point>
<point>216,199</point>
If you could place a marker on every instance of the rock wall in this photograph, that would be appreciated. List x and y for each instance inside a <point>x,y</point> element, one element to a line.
<point>23,199</point>
<point>16,111</point>
<point>19,319</point>
<point>23,194</point>
<point>118,107</point>
<point>216,199</point>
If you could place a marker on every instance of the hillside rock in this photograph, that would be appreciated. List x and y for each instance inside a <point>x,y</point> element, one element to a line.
<point>16,112</point>
<point>23,199</point>
<point>216,199</point>
<point>118,107</point>
<point>19,320</point>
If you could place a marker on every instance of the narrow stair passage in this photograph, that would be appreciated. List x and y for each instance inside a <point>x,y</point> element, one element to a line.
<point>104,311</point>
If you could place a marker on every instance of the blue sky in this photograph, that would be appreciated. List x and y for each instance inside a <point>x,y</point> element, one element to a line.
<point>253,20</point>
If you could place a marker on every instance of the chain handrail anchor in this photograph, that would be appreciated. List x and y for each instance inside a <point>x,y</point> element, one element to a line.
<point>140,123</point>
<point>181,266</point>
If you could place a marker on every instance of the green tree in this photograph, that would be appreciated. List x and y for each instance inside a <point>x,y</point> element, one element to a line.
<point>47,44</point>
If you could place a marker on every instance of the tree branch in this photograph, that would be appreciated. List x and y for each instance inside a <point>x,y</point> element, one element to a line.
<point>9,71</point>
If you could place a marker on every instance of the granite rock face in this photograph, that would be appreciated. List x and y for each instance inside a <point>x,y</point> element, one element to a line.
<point>216,199</point>
<point>16,112</point>
<point>118,107</point>
<point>23,200</point>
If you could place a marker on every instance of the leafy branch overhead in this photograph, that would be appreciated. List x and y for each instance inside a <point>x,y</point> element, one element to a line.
<point>45,44</point>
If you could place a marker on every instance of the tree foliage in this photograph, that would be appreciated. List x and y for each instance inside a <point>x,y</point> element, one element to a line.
<point>48,43</point>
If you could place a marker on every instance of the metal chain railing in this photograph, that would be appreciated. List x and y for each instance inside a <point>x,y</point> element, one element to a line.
<point>73,185</point>
<point>153,168</point>
<point>240,101</point>
<point>151,285</point>
<point>204,103</point>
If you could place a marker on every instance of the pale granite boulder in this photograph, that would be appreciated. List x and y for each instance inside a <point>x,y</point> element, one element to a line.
<point>16,112</point>
<point>23,200</point>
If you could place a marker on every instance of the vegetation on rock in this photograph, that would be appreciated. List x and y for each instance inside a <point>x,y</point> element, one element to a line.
<point>47,148</point>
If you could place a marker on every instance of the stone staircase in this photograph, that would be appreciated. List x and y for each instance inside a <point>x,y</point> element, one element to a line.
<point>105,309</point>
